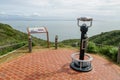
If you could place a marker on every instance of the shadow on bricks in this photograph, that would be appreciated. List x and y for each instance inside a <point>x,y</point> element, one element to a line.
<point>64,69</point>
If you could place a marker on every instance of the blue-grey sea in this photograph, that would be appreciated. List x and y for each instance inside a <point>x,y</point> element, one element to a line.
<point>64,29</point>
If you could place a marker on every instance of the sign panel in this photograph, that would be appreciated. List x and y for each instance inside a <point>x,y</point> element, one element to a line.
<point>37,30</point>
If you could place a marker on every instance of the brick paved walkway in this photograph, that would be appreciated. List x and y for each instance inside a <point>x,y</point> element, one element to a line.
<point>48,64</point>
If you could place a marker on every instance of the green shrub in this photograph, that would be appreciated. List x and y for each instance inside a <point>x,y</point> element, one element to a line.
<point>61,45</point>
<point>109,51</point>
<point>105,50</point>
<point>92,48</point>
<point>113,51</point>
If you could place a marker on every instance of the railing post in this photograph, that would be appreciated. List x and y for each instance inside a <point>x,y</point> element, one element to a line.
<point>30,44</point>
<point>56,42</point>
<point>118,56</point>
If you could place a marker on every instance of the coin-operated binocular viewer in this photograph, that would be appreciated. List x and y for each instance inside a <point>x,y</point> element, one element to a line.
<point>82,61</point>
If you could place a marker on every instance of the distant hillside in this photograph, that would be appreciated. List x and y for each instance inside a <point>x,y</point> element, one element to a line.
<point>8,35</point>
<point>107,38</point>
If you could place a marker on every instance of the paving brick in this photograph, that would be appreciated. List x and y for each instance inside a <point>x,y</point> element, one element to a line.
<point>49,64</point>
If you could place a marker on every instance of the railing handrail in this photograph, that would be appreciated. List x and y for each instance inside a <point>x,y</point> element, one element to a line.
<point>1,47</point>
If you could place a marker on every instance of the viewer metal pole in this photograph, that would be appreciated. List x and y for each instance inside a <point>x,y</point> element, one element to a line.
<point>78,62</point>
<point>83,40</point>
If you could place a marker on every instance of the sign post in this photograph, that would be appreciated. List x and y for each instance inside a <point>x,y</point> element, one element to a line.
<point>36,30</point>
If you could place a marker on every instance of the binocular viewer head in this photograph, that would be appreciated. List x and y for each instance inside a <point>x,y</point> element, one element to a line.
<point>84,20</point>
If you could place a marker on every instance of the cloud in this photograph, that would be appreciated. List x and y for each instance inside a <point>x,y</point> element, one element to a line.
<point>2,13</point>
<point>61,8</point>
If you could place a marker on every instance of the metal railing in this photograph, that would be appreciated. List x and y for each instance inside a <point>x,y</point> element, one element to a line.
<point>7,48</point>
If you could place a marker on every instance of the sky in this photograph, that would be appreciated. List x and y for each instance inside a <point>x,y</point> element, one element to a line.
<point>59,9</point>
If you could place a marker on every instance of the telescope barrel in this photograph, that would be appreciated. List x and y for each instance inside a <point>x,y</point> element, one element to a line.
<point>84,19</point>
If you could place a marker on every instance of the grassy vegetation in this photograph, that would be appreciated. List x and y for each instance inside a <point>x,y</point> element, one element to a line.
<point>108,51</point>
<point>106,44</point>
<point>107,38</point>
<point>10,36</point>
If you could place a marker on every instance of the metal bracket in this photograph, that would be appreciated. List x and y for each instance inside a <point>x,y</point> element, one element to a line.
<point>84,44</point>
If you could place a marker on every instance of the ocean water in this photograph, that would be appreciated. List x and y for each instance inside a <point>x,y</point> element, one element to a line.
<point>64,29</point>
